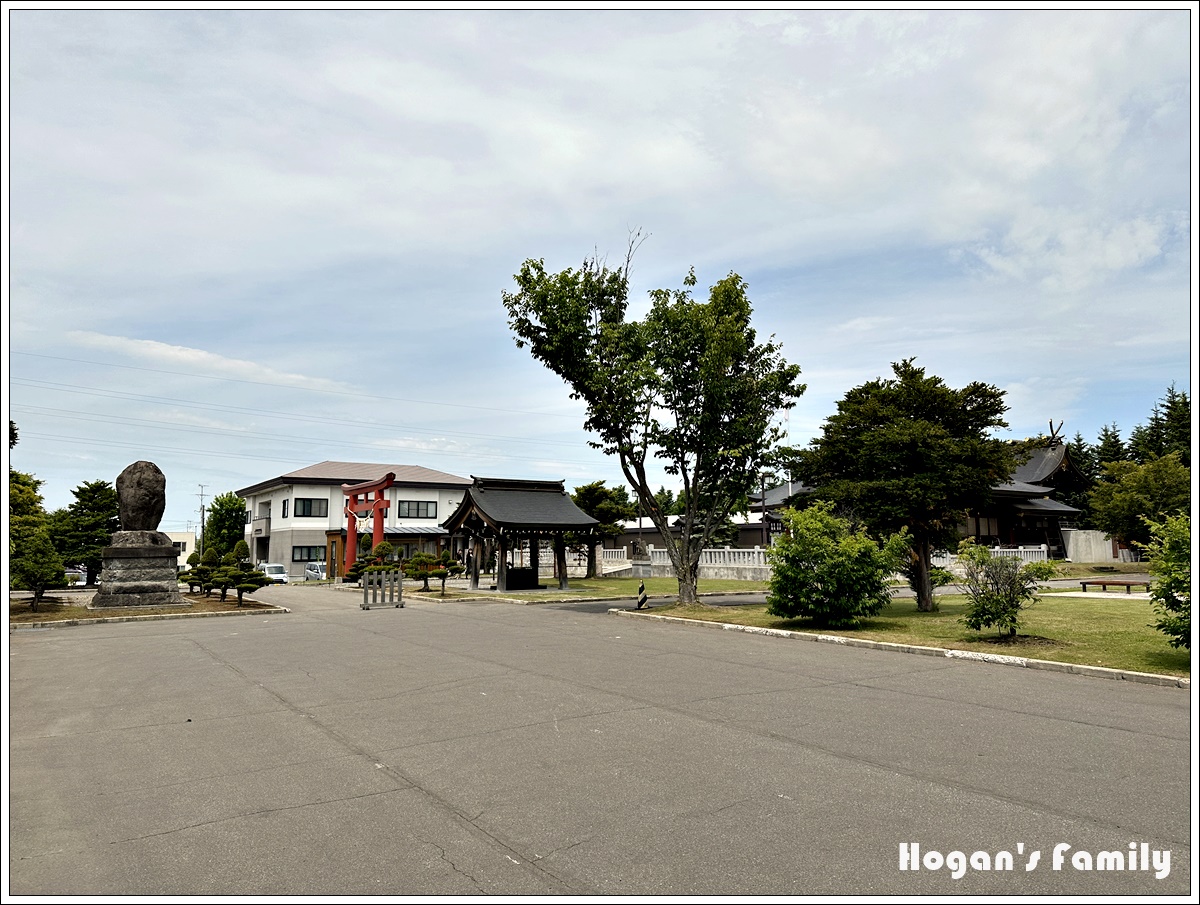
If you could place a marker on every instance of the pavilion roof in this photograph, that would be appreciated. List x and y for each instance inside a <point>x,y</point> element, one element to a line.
<point>506,504</point>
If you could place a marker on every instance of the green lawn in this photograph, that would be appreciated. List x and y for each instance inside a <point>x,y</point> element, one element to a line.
<point>1095,632</point>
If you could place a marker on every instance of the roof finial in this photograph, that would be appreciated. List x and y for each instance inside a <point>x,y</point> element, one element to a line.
<point>1055,436</point>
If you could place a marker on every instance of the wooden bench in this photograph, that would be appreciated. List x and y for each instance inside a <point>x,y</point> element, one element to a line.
<point>1118,582</point>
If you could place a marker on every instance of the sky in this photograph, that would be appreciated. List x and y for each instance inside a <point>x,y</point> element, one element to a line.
<point>243,242</point>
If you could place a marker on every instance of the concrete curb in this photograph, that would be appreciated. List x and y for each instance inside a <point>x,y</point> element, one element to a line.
<point>1095,672</point>
<point>252,611</point>
<point>536,602</point>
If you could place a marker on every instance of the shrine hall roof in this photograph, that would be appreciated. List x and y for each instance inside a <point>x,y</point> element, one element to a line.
<point>527,505</point>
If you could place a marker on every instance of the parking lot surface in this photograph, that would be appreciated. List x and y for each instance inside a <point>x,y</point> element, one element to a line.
<point>463,748</point>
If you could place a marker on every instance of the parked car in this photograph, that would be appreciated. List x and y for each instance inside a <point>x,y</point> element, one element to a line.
<point>277,572</point>
<point>314,571</point>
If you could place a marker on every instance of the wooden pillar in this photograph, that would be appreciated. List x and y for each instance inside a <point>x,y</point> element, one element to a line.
<point>535,544</point>
<point>502,565</point>
<point>476,555</point>
<point>560,561</point>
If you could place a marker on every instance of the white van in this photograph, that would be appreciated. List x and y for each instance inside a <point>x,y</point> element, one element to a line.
<point>275,571</point>
<point>314,571</point>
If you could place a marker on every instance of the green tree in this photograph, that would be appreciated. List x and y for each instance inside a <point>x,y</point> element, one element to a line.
<point>35,565</point>
<point>382,552</point>
<point>665,499</point>
<point>420,567</point>
<point>911,452</point>
<point>1169,550</point>
<point>1109,447</point>
<point>1131,493</point>
<point>688,385</point>
<point>608,505</point>
<point>823,569</point>
<point>241,553</point>
<point>232,575</point>
<point>25,512</point>
<point>82,530</point>
<point>1168,430</point>
<point>1084,457</point>
<point>225,524</point>
<point>999,587</point>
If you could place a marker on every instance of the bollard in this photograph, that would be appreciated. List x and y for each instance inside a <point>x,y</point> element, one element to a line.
<point>641,594</point>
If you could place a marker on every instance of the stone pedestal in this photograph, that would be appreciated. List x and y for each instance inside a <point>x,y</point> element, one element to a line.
<point>139,570</point>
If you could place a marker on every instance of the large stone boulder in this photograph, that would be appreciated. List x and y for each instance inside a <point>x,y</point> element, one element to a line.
<point>141,496</point>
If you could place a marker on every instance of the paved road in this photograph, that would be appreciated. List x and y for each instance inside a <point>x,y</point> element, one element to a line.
<point>467,748</point>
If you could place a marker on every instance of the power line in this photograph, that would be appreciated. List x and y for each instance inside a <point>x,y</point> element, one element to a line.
<point>286,386</point>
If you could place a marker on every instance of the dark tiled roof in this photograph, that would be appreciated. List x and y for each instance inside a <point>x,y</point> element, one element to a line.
<point>1040,465</point>
<point>1020,488</point>
<point>528,505</point>
<point>1051,507</point>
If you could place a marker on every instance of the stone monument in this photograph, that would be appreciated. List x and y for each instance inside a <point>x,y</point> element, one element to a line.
<point>140,568</point>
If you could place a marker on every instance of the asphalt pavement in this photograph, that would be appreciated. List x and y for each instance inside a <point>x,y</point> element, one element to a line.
<point>469,748</point>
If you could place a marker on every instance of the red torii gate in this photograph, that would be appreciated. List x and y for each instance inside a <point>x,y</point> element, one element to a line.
<point>361,502</point>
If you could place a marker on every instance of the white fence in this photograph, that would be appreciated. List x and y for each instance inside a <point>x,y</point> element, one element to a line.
<point>728,562</point>
<point>717,556</point>
<point>619,554</point>
<point>1040,553</point>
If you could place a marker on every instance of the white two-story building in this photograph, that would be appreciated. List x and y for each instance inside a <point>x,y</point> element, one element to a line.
<point>299,517</point>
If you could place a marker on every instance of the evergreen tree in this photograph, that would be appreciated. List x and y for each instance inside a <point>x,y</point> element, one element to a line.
<point>1084,457</point>
<point>34,564</point>
<point>82,530</point>
<point>1167,430</point>
<point>911,452</point>
<point>1109,448</point>
<point>608,505</point>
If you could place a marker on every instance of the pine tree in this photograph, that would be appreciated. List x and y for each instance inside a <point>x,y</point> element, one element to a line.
<point>1109,448</point>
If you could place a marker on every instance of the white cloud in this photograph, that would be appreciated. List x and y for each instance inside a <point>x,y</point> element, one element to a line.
<point>319,200</point>
<point>199,361</point>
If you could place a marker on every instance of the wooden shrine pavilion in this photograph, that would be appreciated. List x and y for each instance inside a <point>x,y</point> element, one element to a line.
<point>508,513</point>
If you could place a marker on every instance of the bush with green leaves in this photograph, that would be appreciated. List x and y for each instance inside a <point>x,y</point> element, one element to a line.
<point>824,570</point>
<point>1169,550</point>
<point>201,571</point>
<point>999,587</point>
<point>34,565</point>
<point>421,566</point>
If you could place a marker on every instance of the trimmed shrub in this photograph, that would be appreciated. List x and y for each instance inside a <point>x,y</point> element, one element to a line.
<point>824,570</point>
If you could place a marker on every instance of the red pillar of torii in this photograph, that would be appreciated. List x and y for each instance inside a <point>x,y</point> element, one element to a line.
<point>360,503</point>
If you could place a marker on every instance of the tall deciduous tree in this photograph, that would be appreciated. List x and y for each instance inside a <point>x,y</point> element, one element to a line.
<point>689,385</point>
<point>225,524</point>
<point>911,452</point>
<point>1132,493</point>
<point>82,530</point>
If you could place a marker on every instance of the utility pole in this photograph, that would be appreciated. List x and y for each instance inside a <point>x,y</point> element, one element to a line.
<point>200,546</point>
